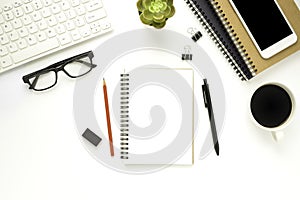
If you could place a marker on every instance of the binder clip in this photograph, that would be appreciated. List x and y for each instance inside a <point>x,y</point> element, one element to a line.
<point>187,53</point>
<point>196,35</point>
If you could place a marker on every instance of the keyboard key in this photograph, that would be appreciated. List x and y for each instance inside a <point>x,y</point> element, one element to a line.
<point>18,12</point>
<point>93,5</point>
<point>47,2</point>
<point>75,3</point>
<point>96,30</point>
<point>36,16</point>
<point>61,17</point>
<point>93,16</point>
<point>105,25</point>
<point>17,23</point>
<point>84,1</point>
<point>26,20</point>
<point>75,35</point>
<point>65,5</point>
<point>85,31</point>
<point>70,14</point>
<point>13,35</point>
<point>80,10</point>
<point>42,25</point>
<point>23,32</point>
<point>7,7</point>
<point>17,3</point>
<point>51,32</point>
<point>22,43</point>
<point>60,29</point>
<point>95,24</point>
<point>64,39</point>
<point>70,25</point>
<point>27,8</point>
<point>79,21</point>
<point>46,12</point>
<point>7,27</point>
<point>51,21</point>
<point>1,19</point>
<point>8,15</point>
<point>4,39</point>
<point>5,61</point>
<point>56,1</point>
<point>35,50</point>
<point>55,8</point>
<point>3,51</point>
<point>12,47</point>
<point>31,40</point>
<point>1,31</point>
<point>37,4</point>
<point>41,36</point>
<point>32,28</point>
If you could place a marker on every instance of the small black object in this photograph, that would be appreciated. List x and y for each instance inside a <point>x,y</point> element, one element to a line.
<point>187,56</point>
<point>208,105</point>
<point>91,137</point>
<point>197,36</point>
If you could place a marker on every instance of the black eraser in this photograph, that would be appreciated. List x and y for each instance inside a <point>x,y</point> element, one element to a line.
<point>91,137</point>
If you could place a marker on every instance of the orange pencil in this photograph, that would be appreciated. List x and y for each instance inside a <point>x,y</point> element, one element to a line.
<point>111,145</point>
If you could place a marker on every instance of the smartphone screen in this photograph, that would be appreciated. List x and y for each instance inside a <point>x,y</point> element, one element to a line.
<point>264,20</point>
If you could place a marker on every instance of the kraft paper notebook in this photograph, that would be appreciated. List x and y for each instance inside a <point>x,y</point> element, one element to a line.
<point>224,13</point>
<point>165,136</point>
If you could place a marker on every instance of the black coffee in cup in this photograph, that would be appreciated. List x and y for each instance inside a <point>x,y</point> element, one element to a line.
<point>271,105</point>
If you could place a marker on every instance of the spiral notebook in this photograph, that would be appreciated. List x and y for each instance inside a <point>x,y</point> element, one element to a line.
<point>224,27</point>
<point>157,116</point>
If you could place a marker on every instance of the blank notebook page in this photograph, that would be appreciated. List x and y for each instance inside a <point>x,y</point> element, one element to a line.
<point>161,103</point>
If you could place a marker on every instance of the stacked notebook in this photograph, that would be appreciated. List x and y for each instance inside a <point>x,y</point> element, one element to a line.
<point>224,27</point>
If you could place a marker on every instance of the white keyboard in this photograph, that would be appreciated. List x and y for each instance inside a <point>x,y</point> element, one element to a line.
<point>30,29</point>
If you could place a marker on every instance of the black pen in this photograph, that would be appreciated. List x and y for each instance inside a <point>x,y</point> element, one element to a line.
<point>208,105</point>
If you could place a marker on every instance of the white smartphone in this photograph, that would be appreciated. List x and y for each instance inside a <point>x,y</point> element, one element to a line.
<point>266,24</point>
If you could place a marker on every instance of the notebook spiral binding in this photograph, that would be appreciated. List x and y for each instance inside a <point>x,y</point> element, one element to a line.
<point>234,37</point>
<point>203,20</point>
<point>124,115</point>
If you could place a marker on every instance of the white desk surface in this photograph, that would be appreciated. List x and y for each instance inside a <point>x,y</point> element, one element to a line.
<point>41,156</point>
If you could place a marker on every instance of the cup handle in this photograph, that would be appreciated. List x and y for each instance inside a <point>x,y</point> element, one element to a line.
<point>277,135</point>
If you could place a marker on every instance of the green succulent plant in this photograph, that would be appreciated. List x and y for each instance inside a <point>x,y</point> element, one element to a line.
<point>155,12</point>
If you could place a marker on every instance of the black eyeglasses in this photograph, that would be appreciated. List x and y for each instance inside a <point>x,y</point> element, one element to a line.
<point>74,67</point>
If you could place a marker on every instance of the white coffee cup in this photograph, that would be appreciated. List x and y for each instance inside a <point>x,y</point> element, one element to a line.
<point>272,108</point>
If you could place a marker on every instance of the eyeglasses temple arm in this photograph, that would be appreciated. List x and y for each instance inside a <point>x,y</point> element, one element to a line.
<point>86,63</point>
<point>34,82</point>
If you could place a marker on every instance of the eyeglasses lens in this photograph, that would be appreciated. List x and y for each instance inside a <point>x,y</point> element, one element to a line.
<point>79,67</point>
<point>43,81</point>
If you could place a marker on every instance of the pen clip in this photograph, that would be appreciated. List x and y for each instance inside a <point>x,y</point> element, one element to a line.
<point>204,95</point>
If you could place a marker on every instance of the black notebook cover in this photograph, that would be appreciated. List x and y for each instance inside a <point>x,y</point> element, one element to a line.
<point>209,18</point>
